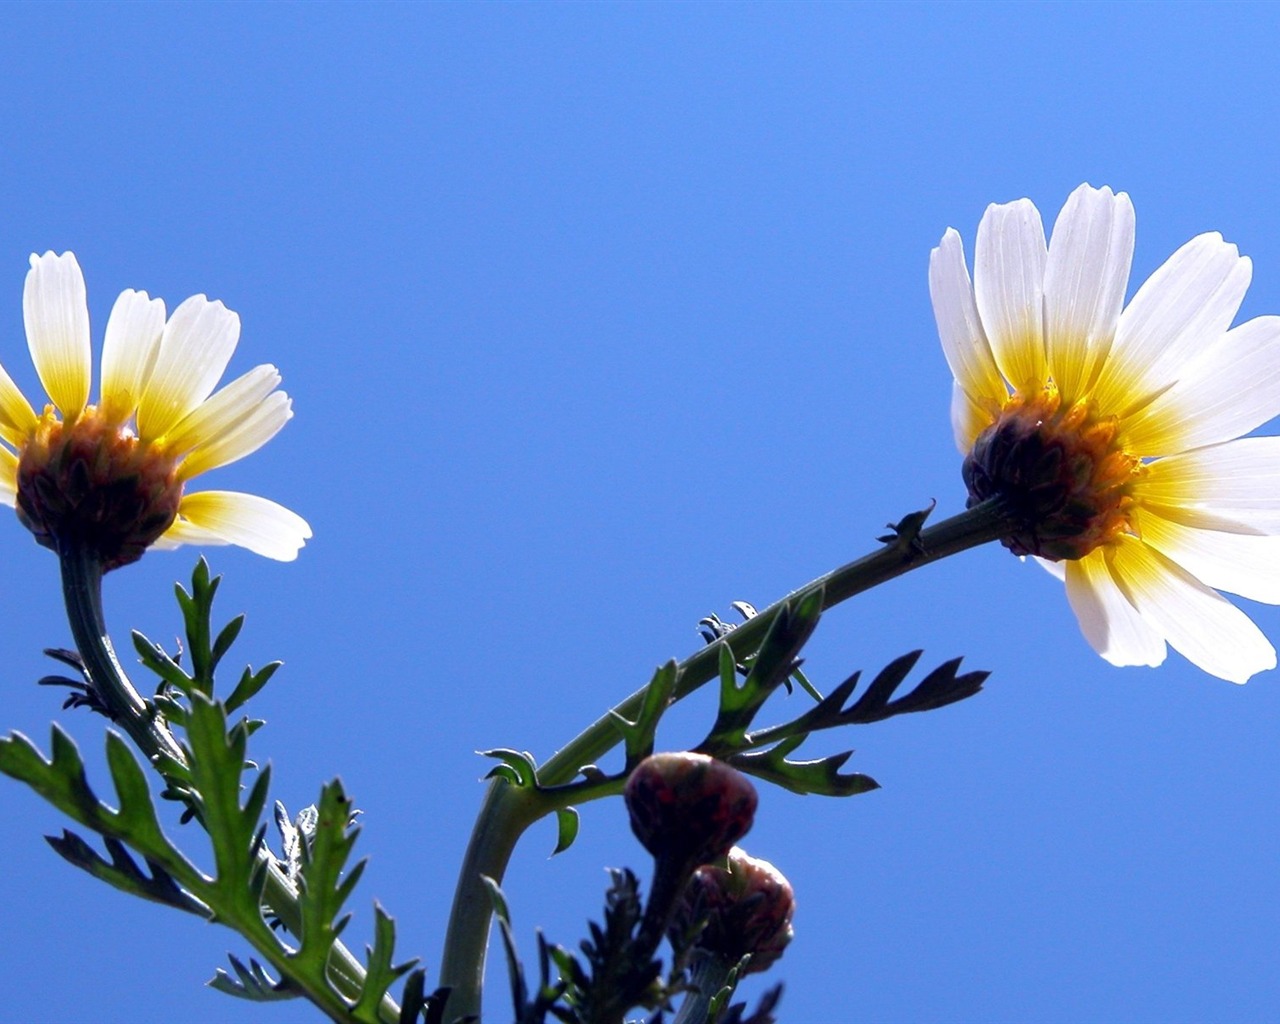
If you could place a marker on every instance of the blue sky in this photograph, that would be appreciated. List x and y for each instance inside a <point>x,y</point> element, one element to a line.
<point>598,318</point>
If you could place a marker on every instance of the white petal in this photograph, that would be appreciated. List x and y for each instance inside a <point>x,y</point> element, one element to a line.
<point>1185,306</point>
<point>963,341</point>
<point>196,346</point>
<point>1229,390</point>
<point>1084,283</point>
<point>255,430</point>
<point>129,351</point>
<point>17,418</point>
<point>224,411</point>
<point>1107,619</point>
<point>1058,570</point>
<point>1009,262</point>
<point>968,418</point>
<point>8,477</point>
<point>1198,622</point>
<point>262,526</point>
<point>1238,480</point>
<point>57,320</point>
<point>184,532</point>
<point>1239,563</point>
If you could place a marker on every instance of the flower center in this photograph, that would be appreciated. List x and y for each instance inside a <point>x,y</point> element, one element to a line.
<point>90,483</point>
<point>1064,480</point>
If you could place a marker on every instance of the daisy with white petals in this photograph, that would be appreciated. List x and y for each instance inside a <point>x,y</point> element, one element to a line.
<point>1113,434</point>
<point>110,478</point>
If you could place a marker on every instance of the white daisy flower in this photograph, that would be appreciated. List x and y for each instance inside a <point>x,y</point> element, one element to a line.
<point>1113,434</point>
<point>110,478</point>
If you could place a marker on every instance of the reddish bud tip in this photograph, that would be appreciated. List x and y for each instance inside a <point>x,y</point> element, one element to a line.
<point>747,908</point>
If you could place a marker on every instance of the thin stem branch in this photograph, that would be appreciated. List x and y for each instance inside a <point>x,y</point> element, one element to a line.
<point>508,810</point>
<point>82,593</point>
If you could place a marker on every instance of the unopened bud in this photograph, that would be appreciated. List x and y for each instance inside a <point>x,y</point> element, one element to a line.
<point>746,908</point>
<point>689,808</point>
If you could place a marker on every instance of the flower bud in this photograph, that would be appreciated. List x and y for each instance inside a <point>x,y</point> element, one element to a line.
<point>746,908</point>
<point>689,808</point>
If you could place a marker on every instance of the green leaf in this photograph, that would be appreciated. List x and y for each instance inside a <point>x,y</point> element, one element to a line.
<point>153,656</point>
<point>124,873</point>
<point>226,638</point>
<point>250,683</point>
<point>904,535</point>
<point>771,665</point>
<point>498,898</point>
<point>515,969</point>
<point>567,823</point>
<point>61,780</point>
<point>322,888</point>
<point>518,766</point>
<point>196,610</point>
<point>821,776</point>
<point>380,972</point>
<point>413,997</point>
<point>638,735</point>
<point>252,983</point>
<point>217,762</point>
<point>136,806</point>
<point>944,685</point>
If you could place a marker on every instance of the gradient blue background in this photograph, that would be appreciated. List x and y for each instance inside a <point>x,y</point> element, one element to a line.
<point>599,318</point>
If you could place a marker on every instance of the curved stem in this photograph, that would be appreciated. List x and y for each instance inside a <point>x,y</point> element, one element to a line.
<point>82,594</point>
<point>505,814</point>
<point>507,811</point>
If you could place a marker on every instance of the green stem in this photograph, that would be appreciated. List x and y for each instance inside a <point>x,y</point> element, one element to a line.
<point>507,810</point>
<point>82,593</point>
<point>709,975</point>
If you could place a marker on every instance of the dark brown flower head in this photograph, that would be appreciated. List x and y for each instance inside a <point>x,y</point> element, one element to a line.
<point>688,807</point>
<point>1064,482</point>
<point>89,483</point>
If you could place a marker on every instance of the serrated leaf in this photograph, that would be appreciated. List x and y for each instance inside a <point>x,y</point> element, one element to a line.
<point>61,780</point>
<point>788,633</point>
<point>380,972</point>
<point>883,686</point>
<point>638,736</point>
<point>136,807</point>
<point>217,763</point>
<point>821,776</point>
<point>567,824</point>
<point>941,687</point>
<point>124,873</point>
<point>322,888</point>
<point>771,666</point>
<point>252,983</point>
